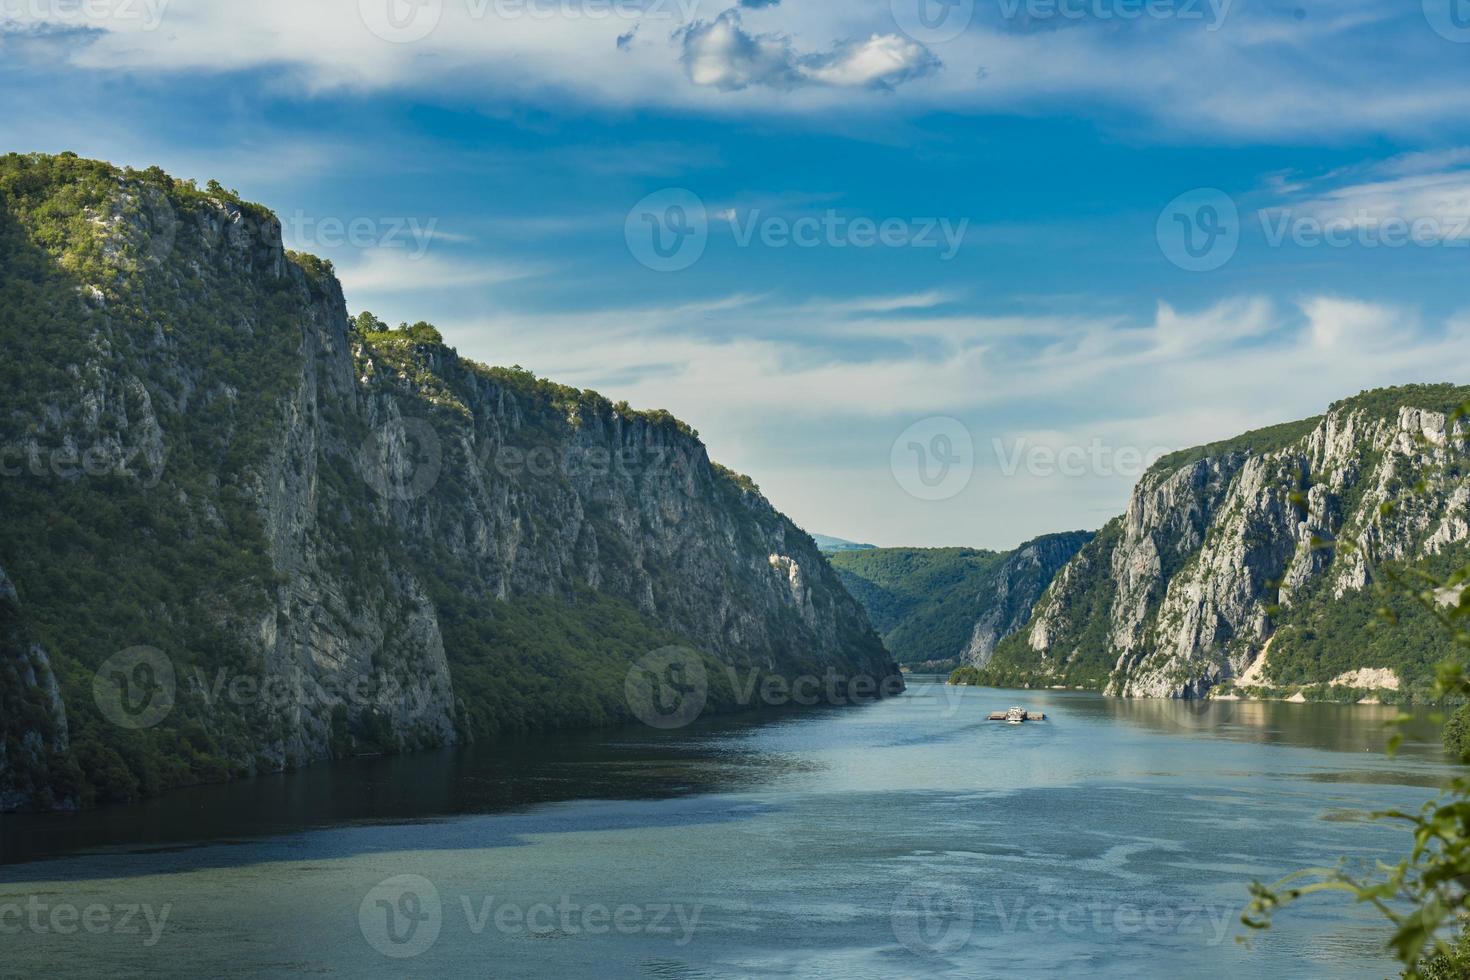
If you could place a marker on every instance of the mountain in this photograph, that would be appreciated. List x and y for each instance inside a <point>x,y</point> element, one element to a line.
<point>943,606</point>
<point>831,544</point>
<point>240,531</point>
<point>1216,580</point>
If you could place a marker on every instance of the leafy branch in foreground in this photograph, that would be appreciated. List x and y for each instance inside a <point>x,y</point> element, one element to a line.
<point>1423,896</point>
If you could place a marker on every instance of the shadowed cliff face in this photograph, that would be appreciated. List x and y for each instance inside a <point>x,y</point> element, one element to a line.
<point>304,539</point>
<point>1221,553</point>
<point>33,731</point>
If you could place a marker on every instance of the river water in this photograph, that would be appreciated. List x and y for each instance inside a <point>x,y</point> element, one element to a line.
<point>906,838</point>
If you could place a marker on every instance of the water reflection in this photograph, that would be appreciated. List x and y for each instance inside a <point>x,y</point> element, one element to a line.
<point>632,763</point>
<point>1330,727</point>
<point>738,753</point>
<point>1333,727</point>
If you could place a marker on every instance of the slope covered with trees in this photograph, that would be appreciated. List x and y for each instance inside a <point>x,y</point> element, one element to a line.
<point>299,535</point>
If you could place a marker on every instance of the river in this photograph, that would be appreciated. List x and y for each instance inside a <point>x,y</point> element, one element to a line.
<point>906,838</point>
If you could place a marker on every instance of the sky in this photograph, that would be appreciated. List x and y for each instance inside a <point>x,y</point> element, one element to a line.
<point>931,272</point>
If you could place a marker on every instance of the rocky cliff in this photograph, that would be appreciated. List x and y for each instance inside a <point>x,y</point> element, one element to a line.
<point>246,532</point>
<point>1226,552</point>
<point>942,607</point>
<point>33,729</point>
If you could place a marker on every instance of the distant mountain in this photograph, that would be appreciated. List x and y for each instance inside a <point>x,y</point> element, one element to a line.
<point>938,607</point>
<point>831,544</point>
<point>1216,578</point>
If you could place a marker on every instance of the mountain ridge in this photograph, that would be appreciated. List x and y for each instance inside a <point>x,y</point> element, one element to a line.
<point>1221,553</point>
<point>935,607</point>
<point>322,536</point>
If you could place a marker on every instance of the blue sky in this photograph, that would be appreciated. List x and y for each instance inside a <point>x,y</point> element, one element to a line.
<point>957,237</point>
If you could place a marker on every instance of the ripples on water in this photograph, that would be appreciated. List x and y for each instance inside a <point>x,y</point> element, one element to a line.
<point>910,838</point>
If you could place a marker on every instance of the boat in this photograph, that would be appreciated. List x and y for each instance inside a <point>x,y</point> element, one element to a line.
<point>1016,716</point>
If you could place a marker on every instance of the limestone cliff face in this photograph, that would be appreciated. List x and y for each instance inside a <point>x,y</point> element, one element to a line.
<point>1222,550</point>
<point>1005,606</point>
<point>333,540</point>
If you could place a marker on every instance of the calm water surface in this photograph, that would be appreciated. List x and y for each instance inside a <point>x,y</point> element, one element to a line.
<point>908,838</point>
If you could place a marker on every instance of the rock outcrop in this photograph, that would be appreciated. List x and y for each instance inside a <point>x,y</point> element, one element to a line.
<point>1225,548</point>
<point>33,729</point>
<point>1005,606</point>
<point>330,537</point>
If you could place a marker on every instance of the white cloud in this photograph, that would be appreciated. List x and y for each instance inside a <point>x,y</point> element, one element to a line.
<point>1432,207</point>
<point>1335,324</point>
<point>388,270</point>
<point>1261,71</point>
<point>722,54</point>
<point>1176,379</point>
<point>1420,199</point>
